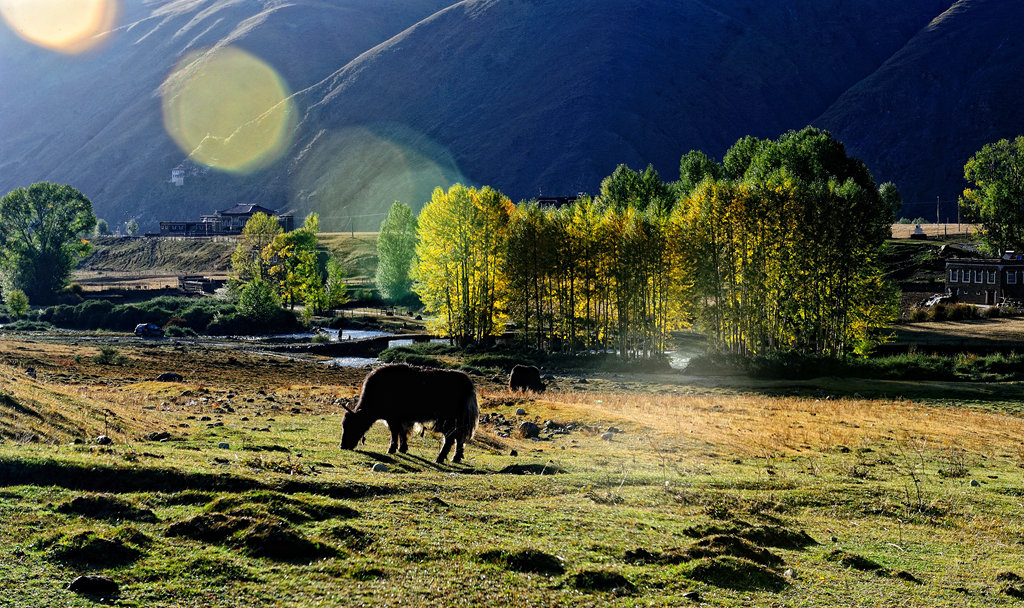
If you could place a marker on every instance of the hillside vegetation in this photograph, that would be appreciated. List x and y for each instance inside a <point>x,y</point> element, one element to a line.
<point>389,96</point>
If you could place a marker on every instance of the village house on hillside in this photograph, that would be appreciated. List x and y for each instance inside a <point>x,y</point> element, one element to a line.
<point>227,222</point>
<point>986,280</point>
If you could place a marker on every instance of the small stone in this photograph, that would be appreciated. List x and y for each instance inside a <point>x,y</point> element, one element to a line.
<point>975,483</point>
<point>224,445</point>
<point>169,377</point>
<point>104,440</point>
<point>513,453</point>
<point>379,467</point>
<point>835,539</point>
<point>99,586</point>
<point>693,596</point>
<point>520,412</point>
<point>608,436</point>
<point>529,430</point>
<point>789,573</point>
<point>614,429</point>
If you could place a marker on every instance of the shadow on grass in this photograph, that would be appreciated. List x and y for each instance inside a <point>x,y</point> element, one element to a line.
<point>98,478</point>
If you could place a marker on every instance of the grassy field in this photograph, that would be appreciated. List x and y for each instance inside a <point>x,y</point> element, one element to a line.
<point>802,497</point>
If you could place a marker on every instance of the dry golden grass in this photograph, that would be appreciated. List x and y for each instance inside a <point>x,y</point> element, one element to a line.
<point>903,231</point>
<point>756,424</point>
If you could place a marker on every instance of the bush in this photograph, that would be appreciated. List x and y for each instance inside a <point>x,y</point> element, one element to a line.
<point>24,325</point>
<point>258,301</point>
<point>177,331</point>
<point>17,303</point>
<point>939,312</point>
<point>108,355</point>
<point>919,315</point>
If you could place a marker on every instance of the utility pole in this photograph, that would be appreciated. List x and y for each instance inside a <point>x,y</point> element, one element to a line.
<point>936,215</point>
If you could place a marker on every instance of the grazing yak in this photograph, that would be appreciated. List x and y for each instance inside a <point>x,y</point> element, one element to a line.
<point>403,396</point>
<point>525,378</point>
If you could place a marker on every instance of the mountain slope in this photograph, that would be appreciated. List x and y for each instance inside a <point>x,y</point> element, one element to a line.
<point>953,88</point>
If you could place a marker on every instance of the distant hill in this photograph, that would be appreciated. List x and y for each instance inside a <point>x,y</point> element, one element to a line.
<point>396,97</point>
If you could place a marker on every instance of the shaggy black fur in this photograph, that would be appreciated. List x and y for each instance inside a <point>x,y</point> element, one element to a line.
<point>403,395</point>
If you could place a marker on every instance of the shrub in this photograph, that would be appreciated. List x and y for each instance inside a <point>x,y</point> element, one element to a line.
<point>939,312</point>
<point>177,331</point>
<point>918,315</point>
<point>108,355</point>
<point>17,303</point>
<point>258,301</point>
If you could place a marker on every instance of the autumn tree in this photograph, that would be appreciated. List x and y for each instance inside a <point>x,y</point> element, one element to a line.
<point>458,269</point>
<point>396,248</point>
<point>995,198</point>
<point>247,260</point>
<point>293,264</point>
<point>39,237</point>
<point>628,188</point>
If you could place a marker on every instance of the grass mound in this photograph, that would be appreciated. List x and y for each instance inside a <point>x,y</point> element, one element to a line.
<point>88,548</point>
<point>852,560</point>
<point>769,535</point>
<point>601,580</point>
<point>351,537</point>
<point>735,573</point>
<point>105,506</point>
<point>526,560</point>
<point>269,538</point>
<point>290,508</point>
<point>734,546</point>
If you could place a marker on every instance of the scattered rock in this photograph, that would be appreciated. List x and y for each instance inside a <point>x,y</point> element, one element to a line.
<point>169,377</point>
<point>607,436</point>
<point>30,372</point>
<point>693,596</point>
<point>789,573</point>
<point>852,560</point>
<point>104,440</point>
<point>975,483</point>
<point>513,453</point>
<point>528,430</point>
<point>379,467</point>
<point>614,429</point>
<point>158,436</point>
<point>520,412</point>
<point>99,586</point>
<point>224,445</point>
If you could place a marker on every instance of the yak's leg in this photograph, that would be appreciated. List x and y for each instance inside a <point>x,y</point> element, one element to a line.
<point>396,435</point>
<point>445,448</point>
<point>458,450</point>
<point>403,440</point>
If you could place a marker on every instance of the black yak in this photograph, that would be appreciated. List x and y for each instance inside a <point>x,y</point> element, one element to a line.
<point>525,377</point>
<point>403,395</point>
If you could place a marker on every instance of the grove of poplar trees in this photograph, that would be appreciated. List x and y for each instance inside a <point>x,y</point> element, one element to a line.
<point>775,249</point>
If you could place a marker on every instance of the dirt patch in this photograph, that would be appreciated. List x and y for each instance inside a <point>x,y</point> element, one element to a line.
<point>526,560</point>
<point>106,506</point>
<point>736,573</point>
<point>601,580</point>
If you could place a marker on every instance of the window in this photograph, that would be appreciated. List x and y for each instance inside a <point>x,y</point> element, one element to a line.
<point>954,276</point>
<point>965,276</point>
<point>990,276</point>
<point>977,277</point>
<point>1011,277</point>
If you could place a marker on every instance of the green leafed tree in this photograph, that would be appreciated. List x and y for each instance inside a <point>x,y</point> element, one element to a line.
<point>102,228</point>
<point>396,249</point>
<point>258,301</point>
<point>131,228</point>
<point>17,303</point>
<point>247,260</point>
<point>995,198</point>
<point>39,237</point>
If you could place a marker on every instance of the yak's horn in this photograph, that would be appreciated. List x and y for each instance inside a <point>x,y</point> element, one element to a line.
<point>345,405</point>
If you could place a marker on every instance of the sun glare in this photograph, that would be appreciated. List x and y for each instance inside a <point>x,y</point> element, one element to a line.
<point>228,109</point>
<point>65,26</point>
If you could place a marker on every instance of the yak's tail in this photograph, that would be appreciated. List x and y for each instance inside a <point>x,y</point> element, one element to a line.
<point>470,415</point>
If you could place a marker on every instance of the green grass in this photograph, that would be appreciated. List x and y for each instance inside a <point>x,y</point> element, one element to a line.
<point>749,500</point>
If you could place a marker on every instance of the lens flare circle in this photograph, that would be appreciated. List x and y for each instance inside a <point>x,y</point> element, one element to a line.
<point>228,109</point>
<point>65,26</point>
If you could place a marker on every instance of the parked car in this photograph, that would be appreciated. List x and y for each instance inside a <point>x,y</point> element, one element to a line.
<point>149,330</point>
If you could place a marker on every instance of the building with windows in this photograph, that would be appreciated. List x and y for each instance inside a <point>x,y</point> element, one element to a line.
<point>986,280</point>
<point>227,222</point>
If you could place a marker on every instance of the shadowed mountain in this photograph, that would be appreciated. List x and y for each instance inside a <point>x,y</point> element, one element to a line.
<point>394,98</point>
<point>953,88</point>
